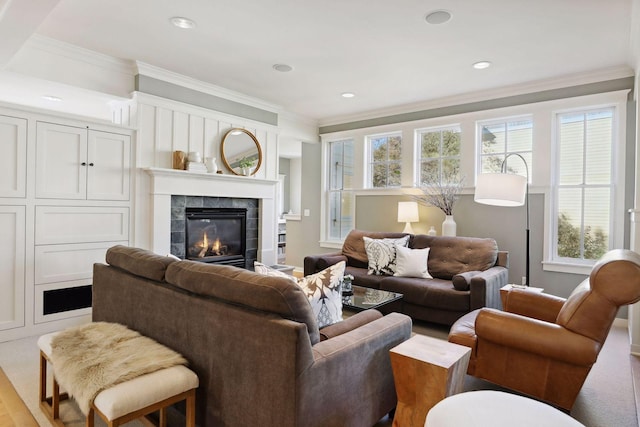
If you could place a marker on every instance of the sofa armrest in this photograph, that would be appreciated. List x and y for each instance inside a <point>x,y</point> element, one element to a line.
<point>349,324</point>
<point>537,305</point>
<point>315,263</point>
<point>345,366</point>
<point>485,288</point>
<point>535,336</point>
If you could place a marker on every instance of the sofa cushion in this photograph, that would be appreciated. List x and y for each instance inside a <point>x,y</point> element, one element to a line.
<point>246,288</point>
<point>353,246</point>
<point>412,262</point>
<point>324,292</point>
<point>453,255</point>
<point>140,262</point>
<point>429,293</point>
<point>265,270</point>
<point>382,254</point>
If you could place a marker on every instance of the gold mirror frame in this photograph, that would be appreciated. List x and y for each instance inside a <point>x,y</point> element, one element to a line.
<point>232,163</point>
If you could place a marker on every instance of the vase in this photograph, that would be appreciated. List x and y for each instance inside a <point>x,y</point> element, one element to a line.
<point>449,226</point>
<point>212,166</point>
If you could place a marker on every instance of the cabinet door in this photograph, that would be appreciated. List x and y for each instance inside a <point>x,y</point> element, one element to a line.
<point>13,161</point>
<point>61,162</point>
<point>109,163</point>
<point>12,269</point>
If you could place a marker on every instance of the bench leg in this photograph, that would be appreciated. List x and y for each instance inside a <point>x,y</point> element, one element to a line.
<point>191,409</point>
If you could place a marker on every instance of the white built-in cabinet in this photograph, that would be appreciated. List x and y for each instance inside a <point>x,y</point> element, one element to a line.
<point>81,164</point>
<point>65,198</point>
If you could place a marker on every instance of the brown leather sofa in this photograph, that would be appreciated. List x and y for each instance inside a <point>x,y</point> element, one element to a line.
<point>543,345</point>
<point>476,263</point>
<point>254,342</point>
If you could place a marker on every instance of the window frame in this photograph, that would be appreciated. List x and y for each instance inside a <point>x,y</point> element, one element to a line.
<point>506,152</point>
<point>330,191</point>
<point>370,162</point>
<point>417,181</point>
<point>553,262</point>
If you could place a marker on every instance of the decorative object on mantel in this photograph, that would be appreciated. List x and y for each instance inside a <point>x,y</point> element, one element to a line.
<point>195,157</point>
<point>179,159</point>
<point>212,166</point>
<point>443,194</point>
<point>196,167</point>
<point>240,145</point>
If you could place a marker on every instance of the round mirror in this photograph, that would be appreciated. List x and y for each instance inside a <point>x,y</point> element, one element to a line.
<point>241,152</point>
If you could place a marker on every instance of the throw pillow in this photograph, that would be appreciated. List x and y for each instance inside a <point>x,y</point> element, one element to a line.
<point>325,296</point>
<point>462,281</point>
<point>382,254</point>
<point>412,262</point>
<point>260,268</point>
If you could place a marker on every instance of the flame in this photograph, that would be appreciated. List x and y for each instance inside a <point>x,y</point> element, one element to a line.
<point>205,241</point>
<point>216,246</point>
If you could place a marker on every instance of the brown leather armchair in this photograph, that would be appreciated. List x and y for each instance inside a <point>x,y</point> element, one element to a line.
<point>543,345</point>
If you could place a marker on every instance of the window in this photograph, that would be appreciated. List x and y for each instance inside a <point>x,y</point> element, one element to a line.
<point>500,138</point>
<point>385,156</point>
<point>439,155</point>
<point>340,182</point>
<point>583,192</point>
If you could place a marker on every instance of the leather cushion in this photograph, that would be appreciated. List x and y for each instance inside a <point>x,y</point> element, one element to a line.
<point>140,262</point>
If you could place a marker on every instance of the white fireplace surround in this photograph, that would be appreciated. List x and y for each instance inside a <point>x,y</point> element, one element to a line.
<point>168,182</point>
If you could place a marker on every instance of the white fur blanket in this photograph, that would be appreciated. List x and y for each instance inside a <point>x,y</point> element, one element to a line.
<point>94,357</point>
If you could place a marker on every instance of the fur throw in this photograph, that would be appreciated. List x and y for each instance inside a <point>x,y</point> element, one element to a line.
<point>94,357</point>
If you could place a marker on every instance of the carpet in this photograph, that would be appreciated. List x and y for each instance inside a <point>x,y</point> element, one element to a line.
<point>607,398</point>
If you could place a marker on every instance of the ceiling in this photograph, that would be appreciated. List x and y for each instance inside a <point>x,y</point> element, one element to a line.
<point>383,51</point>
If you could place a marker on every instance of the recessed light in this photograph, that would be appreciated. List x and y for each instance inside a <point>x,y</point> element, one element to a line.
<point>283,68</point>
<point>51,98</point>
<point>348,94</point>
<point>181,22</point>
<point>438,17</point>
<point>480,65</point>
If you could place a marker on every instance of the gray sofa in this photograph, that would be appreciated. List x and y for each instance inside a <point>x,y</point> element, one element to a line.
<point>253,341</point>
<point>474,265</point>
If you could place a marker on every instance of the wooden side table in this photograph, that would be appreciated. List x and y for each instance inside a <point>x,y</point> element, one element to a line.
<point>425,371</point>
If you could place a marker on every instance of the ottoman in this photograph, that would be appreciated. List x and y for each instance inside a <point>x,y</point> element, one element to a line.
<point>128,400</point>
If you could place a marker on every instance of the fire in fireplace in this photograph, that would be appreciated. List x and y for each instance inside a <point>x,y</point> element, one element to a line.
<point>216,235</point>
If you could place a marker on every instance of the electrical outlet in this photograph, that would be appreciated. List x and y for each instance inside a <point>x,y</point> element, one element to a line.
<point>524,280</point>
<point>307,212</point>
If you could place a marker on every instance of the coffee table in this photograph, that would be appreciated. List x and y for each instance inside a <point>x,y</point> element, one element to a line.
<point>366,298</point>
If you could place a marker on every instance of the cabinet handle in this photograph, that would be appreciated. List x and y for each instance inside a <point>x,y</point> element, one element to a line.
<point>90,164</point>
<point>84,163</point>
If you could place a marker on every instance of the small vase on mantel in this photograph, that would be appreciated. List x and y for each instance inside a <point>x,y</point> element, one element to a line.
<point>449,226</point>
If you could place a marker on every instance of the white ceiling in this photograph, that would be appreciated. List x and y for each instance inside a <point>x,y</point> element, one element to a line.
<point>381,50</point>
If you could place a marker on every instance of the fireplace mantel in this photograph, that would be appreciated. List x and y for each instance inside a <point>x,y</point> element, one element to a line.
<point>168,182</point>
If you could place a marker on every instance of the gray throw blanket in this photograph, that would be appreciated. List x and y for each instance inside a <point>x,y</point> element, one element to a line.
<point>94,357</point>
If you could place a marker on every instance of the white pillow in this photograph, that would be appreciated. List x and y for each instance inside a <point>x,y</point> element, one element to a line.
<point>382,254</point>
<point>412,262</point>
<point>322,289</point>
<point>260,268</point>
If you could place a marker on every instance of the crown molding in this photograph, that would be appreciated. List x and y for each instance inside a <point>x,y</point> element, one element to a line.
<point>502,92</point>
<point>81,54</point>
<point>200,86</point>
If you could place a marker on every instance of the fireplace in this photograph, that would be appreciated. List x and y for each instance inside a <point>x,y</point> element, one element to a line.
<point>216,235</point>
<point>232,222</point>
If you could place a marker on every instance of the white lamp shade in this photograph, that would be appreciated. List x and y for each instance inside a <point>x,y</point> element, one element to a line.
<point>408,212</point>
<point>501,189</point>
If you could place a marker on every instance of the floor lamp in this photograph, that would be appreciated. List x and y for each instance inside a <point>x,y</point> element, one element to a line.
<point>505,189</point>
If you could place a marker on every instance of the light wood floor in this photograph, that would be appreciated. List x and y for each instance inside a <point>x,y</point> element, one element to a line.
<point>13,411</point>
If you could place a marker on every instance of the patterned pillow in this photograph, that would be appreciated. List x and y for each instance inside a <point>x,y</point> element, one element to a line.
<point>382,254</point>
<point>325,296</point>
<point>260,268</point>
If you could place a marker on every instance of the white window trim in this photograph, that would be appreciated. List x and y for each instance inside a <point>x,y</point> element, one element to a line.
<point>619,103</point>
